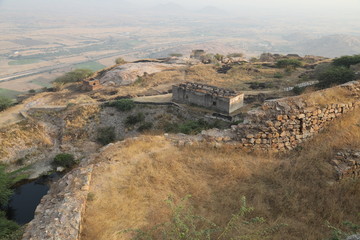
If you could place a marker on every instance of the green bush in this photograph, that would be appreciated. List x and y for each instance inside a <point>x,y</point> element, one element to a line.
<point>145,126</point>
<point>106,135</point>
<point>347,61</point>
<point>288,63</point>
<point>65,160</point>
<point>191,126</point>
<point>122,104</point>
<point>120,61</point>
<point>278,75</point>
<point>134,119</point>
<point>4,103</point>
<point>7,227</point>
<point>74,76</point>
<point>336,76</point>
<point>298,90</point>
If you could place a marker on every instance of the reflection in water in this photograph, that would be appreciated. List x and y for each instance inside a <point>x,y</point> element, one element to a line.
<point>26,197</point>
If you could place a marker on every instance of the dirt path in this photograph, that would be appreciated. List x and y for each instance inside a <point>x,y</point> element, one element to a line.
<point>156,98</point>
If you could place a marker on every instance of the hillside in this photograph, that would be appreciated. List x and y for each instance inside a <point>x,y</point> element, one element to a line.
<point>136,177</point>
<point>135,150</point>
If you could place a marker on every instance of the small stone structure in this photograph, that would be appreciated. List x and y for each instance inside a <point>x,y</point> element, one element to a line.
<point>218,99</point>
<point>91,84</point>
<point>197,54</point>
<point>347,164</point>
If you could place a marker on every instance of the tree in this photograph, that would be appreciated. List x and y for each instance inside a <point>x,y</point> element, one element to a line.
<point>120,61</point>
<point>74,76</point>
<point>347,61</point>
<point>288,63</point>
<point>4,103</point>
<point>335,76</point>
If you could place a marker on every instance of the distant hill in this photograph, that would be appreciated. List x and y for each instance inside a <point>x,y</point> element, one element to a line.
<point>211,10</point>
<point>330,46</point>
<point>168,8</point>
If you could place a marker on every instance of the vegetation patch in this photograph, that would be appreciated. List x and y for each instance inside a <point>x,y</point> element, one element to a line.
<point>7,228</point>
<point>24,61</point>
<point>106,135</point>
<point>191,126</point>
<point>5,103</point>
<point>335,76</point>
<point>64,160</point>
<point>347,61</point>
<point>145,126</point>
<point>288,63</point>
<point>122,105</point>
<point>94,66</point>
<point>134,119</point>
<point>8,93</point>
<point>74,76</point>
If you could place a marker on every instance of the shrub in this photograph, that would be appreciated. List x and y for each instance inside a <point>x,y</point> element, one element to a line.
<point>74,76</point>
<point>288,63</point>
<point>335,76</point>
<point>134,119</point>
<point>5,103</point>
<point>298,90</point>
<point>278,75</point>
<point>106,135</point>
<point>65,160</point>
<point>145,126</point>
<point>347,61</point>
<point>122,104</point>
<point>120,61</point>
<point>5,182</point>
<point>175,55</point>
<point>7,228</point>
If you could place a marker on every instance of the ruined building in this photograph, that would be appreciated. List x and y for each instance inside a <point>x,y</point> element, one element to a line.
<point>218,99</point>
<point>91,84</point>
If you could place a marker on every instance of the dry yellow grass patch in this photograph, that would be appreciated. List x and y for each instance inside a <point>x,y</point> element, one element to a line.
<point>329,96</point>
<point>298,188</point>
<point>23,134</point>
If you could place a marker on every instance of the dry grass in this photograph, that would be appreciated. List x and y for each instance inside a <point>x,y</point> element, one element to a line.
<point>24,134</point>
<point>329,96</point>
<point>134,179</point>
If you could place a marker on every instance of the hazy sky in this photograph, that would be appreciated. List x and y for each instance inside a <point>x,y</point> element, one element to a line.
<point>342,6</point>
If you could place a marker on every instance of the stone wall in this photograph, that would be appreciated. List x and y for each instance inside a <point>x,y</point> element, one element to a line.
<point>59,214</point>
<point>284,123</point>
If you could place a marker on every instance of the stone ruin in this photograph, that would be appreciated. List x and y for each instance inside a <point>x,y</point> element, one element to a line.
<point>347,164</point>
<point>91,84</point>
<point>219,99</point>
<point>282,124</point>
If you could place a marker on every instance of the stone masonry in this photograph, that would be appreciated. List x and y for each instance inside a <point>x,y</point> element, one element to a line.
<point>284,123</point>
<point>218,99</point>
